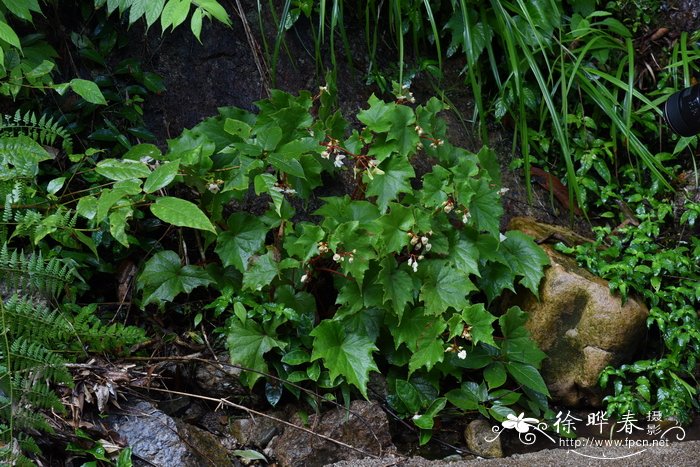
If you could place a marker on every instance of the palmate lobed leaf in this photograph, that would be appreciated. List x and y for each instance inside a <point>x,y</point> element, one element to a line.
<point>164,277</point>
<point>247,344</point>
<point>344,354</point>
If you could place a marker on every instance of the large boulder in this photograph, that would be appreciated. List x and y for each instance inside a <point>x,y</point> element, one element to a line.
<point>581,326</point>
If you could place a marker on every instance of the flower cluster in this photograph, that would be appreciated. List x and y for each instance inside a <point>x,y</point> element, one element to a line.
<point>331,150</point>
<point>341,257</point>
<point>419,243</point>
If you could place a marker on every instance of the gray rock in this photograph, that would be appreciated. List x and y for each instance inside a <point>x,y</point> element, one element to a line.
<point>364,427</point>
<point>579,324</point>
<point>256,432</point>
<point>220,380</point>
<point>162,441</point>
<point>476,435</point>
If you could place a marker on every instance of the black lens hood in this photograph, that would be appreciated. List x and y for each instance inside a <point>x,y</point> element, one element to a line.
<point>674,116</point>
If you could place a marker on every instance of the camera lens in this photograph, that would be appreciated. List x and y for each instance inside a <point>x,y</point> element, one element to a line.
<point>682,111</point>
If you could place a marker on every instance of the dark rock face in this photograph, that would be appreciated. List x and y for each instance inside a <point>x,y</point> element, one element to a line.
<point>364,427</point>
<point>160,440</point>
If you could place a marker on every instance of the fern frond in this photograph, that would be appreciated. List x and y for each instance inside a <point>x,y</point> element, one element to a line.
<point>99,337</point>
<point>27,356</point>
<point>44,131</point>
<point>31,274</point>
<point>25,316</point>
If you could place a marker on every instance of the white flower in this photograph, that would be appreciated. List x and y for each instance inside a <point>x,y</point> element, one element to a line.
<point>350,259</point>
<point>213,187</point>
<point>466,216</point>
<point>415,266</point>
<point>322,89</point>
<point>304,278</point>
<point>322,247</point>
<point>339,160</point>
<point>410,261</point>
<point>462,354</point>
<point>520,423</point>
<point>502,237</point>
<point>428,246</point>
<point>414,240</point>
<point>336,257</point>
<point>325,154</point>
<point>503,191</point>
<point>424,240</point>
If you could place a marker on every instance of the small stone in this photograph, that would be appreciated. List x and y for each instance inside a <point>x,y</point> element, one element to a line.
<point>476,434</point>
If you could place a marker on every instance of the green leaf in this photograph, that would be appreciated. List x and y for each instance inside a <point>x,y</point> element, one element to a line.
<point>153,9</point>
<point>8,35</point>
<point>396,223</point>
<point>247,345</point>
<point>427,420</point>
<point>196,24</point>
<point>403,131</point>
<point>174,13</point>
<point>245,237</point>
<point>261,272</point>
<point>485,207</point>
<point>430,348</point>
<point>409,395</point>
<point>444,287</point>
<point>528,376</point>
<point>249,455</point>
<point>495,277</point>
<point>88,90</point>
<point>395,179</point>
<point>161,176</point>
<point>479,319</point>
<point>181,213</point>
<point>398,286</point>
<point>376,118</point>
<point>55,185</point>
<point>495,375</point>
<point>119,170</point>
<point>347,355</point>
<point>164,277</point>
<point>303,243</point>
<point>465,254</point>
<point>525,258</point>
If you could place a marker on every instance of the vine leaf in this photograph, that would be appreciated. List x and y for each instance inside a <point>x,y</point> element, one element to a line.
<point>444,287</point>
<point>164,277</point>
<point>485,206</point>
<point>395,179</point>
<point>524,258</point>
<point>247,345</point>
<point>244,237</point>
<point>347,355</point>
<point>480,321</point>
<point>398,286</point>
<point>181,213</point>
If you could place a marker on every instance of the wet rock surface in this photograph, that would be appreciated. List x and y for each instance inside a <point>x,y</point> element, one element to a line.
<point>476,434</point>
<point>158,439</point>
<point>364,427</point>
<point>580,325</point>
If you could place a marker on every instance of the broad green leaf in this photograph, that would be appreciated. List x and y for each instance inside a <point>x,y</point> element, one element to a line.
<point>244,238</point>
<point>8,35</point>
<point>525,258</point>
<point>485,207</point>
<point>174,13</point>
<point>22,8</point>
<point>117,223</point>
<point>430,347</point>
<point>403,131</point>
<point>396,224</point>
<point>427,420</point>
<point>408,395</point>
<point>303,243</point>
<point>480,322</point>
<point>444,287</point>
<point>164,277</point>
<point>528,376</point>
<point>215,10</point>
<point>465,254</point>
<point>495,277</point>
<point>376,118</point>
<point>161,176</point>
<point>412,327</point>
<point>249,455</point>
<point>181,213</point>
<point>153,9</point>
<point>347,355</point>
<point>247,345</point>
<point>395,179</point>
<point>196,23</point>
<point>55,185</point>
<point>262,271</point>
<point>495,375</point>
<point>88,90</point>
<point>398,286</point>
<point>119,170</point>
<point>237,128</point>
